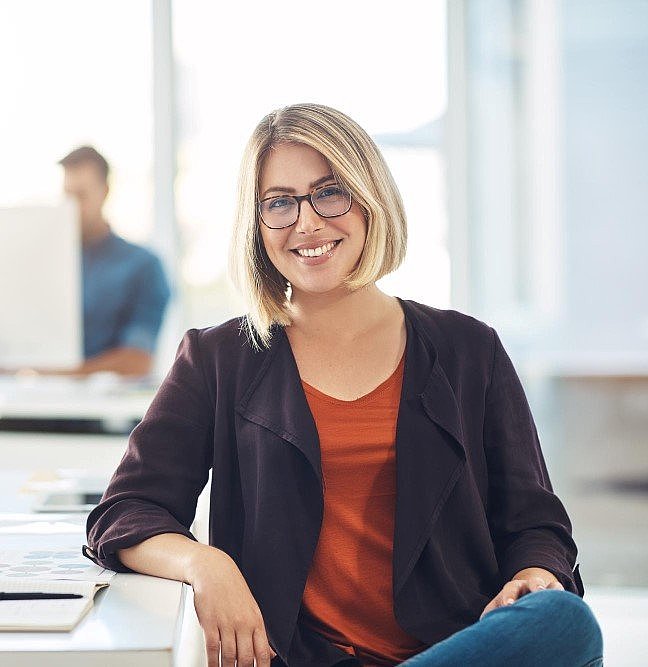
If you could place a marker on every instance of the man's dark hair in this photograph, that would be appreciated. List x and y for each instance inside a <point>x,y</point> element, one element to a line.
<point>87,155</point>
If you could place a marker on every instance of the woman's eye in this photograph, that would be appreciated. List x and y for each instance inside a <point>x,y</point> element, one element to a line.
<point>280,202</point>
<point>330,191</point>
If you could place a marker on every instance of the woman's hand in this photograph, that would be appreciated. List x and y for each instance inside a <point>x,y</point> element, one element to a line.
<point>228,613</point>
<point>525,581</point>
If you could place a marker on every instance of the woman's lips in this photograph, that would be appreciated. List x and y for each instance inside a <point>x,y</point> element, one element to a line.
<point>319,259</point>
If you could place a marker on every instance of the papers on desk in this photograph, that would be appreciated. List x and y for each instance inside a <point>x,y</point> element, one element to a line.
<point>45,615</point>
<point>51,564</point>
<point>60,555</point>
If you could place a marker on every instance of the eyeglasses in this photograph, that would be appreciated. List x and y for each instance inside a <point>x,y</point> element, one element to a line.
<point>328,201</point>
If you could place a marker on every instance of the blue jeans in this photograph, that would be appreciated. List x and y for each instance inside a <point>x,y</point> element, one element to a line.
<point>546,628</point>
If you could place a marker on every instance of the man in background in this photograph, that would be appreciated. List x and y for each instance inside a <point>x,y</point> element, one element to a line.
<point>125,291</point>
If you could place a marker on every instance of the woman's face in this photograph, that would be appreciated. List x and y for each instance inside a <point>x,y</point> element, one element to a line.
<point>296,169</point>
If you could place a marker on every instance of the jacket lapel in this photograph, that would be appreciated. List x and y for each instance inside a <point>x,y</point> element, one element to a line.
<point>430,452</point>
<point>276,400</point>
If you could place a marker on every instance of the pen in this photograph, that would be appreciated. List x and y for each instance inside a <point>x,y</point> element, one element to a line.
<point>39,596</point>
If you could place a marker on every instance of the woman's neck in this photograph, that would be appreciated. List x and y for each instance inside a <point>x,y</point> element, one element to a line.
<point>341,316</point>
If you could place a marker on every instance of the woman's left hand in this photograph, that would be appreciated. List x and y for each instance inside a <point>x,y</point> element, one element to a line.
<point>525,581</point>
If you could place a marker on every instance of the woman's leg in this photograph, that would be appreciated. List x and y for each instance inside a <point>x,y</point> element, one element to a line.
<point>547,628</point>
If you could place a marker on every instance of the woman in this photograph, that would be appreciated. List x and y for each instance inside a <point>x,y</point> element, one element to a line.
<point>379,493</point>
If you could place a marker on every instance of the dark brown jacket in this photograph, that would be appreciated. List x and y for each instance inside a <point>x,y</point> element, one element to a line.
<point>474,502</point>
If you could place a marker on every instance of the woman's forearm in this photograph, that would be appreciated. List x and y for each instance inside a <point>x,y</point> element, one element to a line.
<point>169,555</point>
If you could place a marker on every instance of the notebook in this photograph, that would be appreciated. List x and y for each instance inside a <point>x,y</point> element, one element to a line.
<point>45,615</point>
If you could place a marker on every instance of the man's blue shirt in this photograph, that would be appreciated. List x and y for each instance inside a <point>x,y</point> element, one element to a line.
<point>125,293</point>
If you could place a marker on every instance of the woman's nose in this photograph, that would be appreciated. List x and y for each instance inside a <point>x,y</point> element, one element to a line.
<point>307,219</point>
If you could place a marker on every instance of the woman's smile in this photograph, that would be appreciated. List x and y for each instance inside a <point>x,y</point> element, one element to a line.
<point>317,255</point>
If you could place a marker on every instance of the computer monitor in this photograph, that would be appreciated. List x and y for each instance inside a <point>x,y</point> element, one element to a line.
<point>41,323</point>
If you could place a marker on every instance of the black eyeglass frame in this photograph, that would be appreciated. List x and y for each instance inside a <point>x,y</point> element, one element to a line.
<point>299,199</point>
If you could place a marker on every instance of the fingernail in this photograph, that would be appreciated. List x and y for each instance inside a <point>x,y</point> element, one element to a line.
<point>510,601</point>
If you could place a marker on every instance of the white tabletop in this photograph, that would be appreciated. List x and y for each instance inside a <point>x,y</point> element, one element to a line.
<point>103,397</point>
<point>30,452</point>
<point>135,621</point>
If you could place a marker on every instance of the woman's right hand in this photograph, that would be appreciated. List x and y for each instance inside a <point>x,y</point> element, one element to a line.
<point>227,611</point>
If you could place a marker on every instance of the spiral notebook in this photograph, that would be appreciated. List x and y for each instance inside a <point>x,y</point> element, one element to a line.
<point>45,615</point>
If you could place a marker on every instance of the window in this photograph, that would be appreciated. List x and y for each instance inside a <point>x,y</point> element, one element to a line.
<point>80,73</point>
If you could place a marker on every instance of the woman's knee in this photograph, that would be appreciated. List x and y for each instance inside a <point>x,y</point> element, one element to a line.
<point>564,610</point>
<point>558,603</point>
<point>561,601</point>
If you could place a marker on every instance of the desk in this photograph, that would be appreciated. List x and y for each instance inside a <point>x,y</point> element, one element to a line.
<point>137,620</point>
<point>28,452</point>
<point>111,405</point>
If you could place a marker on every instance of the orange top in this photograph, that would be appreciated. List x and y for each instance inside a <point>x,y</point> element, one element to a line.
<point>348,594</point>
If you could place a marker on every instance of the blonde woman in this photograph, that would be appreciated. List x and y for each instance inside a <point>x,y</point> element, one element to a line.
<point>378,494</point>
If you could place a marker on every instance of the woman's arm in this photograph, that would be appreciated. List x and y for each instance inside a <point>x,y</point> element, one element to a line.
<point>165,467</point>
<point>529,525</point>
<point>169,555</point>
<point>142,522</point>
<point>228,613</point>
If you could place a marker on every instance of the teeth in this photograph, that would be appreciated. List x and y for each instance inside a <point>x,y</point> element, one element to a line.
<point>316,252</point>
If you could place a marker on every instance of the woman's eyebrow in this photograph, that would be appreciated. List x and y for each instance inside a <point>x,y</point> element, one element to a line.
<point>314,184</point>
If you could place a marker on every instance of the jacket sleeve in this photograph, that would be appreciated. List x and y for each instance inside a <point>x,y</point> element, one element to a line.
<point>165,467</point>
<point>529,524</point>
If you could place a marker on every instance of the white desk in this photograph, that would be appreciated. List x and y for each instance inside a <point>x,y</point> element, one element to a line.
<point>135,621</point>
<point>116,403</point>
<point>29,452</point>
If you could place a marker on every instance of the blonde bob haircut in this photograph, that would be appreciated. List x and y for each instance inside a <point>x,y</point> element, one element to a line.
<point>357,165</point>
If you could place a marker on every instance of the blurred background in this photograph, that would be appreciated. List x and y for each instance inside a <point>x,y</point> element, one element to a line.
<point>516,130</point>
